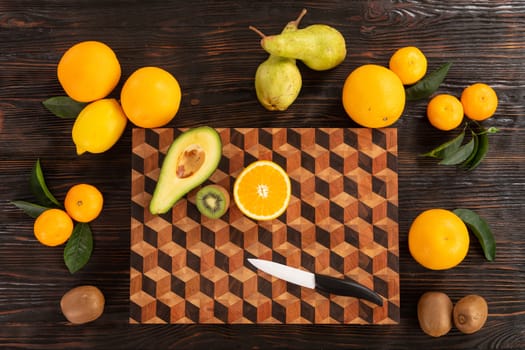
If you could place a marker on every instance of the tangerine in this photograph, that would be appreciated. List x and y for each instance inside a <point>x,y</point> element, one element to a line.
<point>53,227</point>
<point>83,202</point>
<point>409,63</point>
<point>445,112</point>
<point>480,101</point>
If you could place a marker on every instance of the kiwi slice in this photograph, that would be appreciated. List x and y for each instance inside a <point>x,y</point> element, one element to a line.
<point>213,201</point>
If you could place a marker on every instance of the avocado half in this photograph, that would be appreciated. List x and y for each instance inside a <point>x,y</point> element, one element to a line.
<point>191,159</point>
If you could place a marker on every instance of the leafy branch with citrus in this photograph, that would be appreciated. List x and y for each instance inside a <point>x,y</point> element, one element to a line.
<point>56,224</point>
<point>374,96</point>
<point>446,112</point>
<point>464,155</point>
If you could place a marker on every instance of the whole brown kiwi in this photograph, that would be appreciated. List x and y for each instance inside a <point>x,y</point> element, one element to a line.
<point>82,304</point>
<point>470,313</point>
<point>434,312</point>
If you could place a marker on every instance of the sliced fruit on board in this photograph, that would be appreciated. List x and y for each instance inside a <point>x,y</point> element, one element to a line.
<point>262,191</point>
<point>191,159</point>
<point>213,201</point>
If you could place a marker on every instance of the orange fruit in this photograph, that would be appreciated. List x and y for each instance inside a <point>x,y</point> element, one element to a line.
<point>445,112</point>
<point>88,71</point>
<point>83,202</point>
<point>150,97</point>
<point>480,101</point>
<point>262,190</point>
<point>373,96</point>
<point>409,63</point>
<point>53,227</point>
<point>438,239</point>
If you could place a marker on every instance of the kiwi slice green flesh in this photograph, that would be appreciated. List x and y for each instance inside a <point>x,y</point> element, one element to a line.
<point>213,201</point>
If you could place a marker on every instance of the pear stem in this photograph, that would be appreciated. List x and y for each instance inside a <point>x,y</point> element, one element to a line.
<point>300,17</point>
<point>257,31</point>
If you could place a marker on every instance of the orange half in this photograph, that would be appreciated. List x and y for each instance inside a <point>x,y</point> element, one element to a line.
<point>262,190</point>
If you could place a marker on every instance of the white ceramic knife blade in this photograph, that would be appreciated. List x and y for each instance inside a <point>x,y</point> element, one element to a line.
<point>311,280</point>
<point>287,273</point>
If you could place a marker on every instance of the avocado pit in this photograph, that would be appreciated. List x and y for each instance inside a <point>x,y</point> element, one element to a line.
<point>190,161</point>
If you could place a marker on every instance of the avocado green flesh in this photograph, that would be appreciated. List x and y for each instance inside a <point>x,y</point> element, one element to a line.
<point>170,187</point>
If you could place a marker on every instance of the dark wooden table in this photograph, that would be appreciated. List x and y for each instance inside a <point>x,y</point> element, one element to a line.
<point>208,47</point>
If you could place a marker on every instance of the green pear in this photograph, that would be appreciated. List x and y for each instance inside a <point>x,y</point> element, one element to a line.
<point>278,80</point>
<point>319,46</point>
<point>277,83</point>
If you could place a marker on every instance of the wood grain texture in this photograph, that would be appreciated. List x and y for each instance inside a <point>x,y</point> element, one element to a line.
<point>208,47</point>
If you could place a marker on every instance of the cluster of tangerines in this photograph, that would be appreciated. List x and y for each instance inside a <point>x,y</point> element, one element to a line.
<point>478,102</point>
<point>83,203</point>
<point>374,96</point>
<point>89,71</point>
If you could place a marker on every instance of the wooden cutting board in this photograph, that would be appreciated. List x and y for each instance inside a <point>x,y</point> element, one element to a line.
<point>341,221</point>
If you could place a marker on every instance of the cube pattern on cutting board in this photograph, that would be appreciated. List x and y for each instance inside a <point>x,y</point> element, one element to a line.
<point>341,221</point>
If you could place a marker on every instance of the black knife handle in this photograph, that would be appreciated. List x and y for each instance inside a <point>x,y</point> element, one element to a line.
<point>346,287</point>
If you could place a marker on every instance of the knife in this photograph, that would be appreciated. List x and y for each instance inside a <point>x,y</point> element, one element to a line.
<point>317,281</point>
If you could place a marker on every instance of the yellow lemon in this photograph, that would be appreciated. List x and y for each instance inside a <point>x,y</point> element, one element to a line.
<point>99,126</point>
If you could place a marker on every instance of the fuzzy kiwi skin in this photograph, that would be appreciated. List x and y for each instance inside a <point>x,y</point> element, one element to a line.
<point>82,304</point>
<point>218,191</point>
<point>470,313</point>
<point>434,312</point>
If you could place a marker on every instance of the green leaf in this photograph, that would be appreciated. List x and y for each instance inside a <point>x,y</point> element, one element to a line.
<point>481,230</point>
<point>39,188</point>
<point>31,209</point>
<point>461,154</point>
<point>447,148</point>
<point>64,106</point>
<point>481,152</point>
<point>428,85</point>
<point>78,248</point>
<point>473,153</point>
